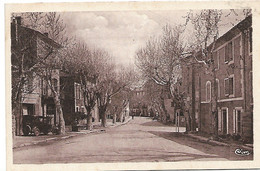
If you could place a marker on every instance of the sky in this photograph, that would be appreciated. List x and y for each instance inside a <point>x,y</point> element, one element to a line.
<point>122,33</point>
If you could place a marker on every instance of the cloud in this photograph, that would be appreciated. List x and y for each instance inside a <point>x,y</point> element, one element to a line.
<point>120,33</point>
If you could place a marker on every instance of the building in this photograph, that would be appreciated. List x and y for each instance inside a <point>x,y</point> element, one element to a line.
<point>138,103</point>
<point>188,89</point>
<point>72,100</point>
<point>28,48</point>
<point>233,62</point>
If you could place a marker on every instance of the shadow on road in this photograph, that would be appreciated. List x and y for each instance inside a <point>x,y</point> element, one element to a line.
<point>221,151</point>
<point>156,123</point>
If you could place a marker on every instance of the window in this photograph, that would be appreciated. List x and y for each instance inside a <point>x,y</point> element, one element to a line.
<point>218,89</point>
<point>231,85</point>
<point>55,84</point>
<point>237,121</point>
<point>208,91</point>
<point>28,85</point>
<point>250,40</point>
<point>44,87</point>
<point>77,92</point>
<point>229,52</point>
<point>226,81</point>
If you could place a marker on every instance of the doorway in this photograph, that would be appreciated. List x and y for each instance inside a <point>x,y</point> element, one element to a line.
<point>225,121</point>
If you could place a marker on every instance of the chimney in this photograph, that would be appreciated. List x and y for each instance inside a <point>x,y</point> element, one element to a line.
<point>18,20</point>
<point>45,34</point>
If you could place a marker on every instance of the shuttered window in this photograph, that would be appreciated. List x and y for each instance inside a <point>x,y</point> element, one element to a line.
<point>231,86</point>
<point>219,120</point>
<point>250,40</point>
<point>226,85</point>
<point>208,91</point>
<point>229,52</point>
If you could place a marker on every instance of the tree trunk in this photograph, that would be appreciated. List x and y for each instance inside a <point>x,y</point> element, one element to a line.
<point>114,117</point>
<point>121,116</point>
<point>18,112</point>
<point>214,107</point>
<point>104,120</point>
<point>89,120</point>
<point>60,114</point>
<point>187,119</point>
<point>102,114</point>
<point>164,111</point>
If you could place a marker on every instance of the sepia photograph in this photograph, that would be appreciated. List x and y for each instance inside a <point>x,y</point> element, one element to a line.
<point>138,85</point>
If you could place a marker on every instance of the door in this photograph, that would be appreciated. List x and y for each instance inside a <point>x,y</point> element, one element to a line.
<point>237,121</point>
<point>224,121</point>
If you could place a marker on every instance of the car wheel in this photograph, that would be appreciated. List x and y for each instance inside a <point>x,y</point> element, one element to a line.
<point>36,131</point>
<point>54,131</point>
<point>45,132</point>
<point>26,130</point>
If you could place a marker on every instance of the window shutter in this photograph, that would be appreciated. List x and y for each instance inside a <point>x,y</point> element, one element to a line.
<point>250,40</point>
<point>219,120</point>
<point>226,54</point>
<point>226,86</point>
<point>231,84</point>
<point>234,121</point>
<point>230,51</point>
<point>208,91</point>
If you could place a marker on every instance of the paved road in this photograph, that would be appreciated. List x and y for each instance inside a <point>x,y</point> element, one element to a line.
<point>140,140</point>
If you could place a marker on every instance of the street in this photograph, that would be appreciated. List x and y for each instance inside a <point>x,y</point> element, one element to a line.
<point>140,140</point>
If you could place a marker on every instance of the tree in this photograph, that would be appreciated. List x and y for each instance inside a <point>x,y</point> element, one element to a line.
<point>206,29</point>
<point>159,60</point>
<point>206,25</point>
<point>109,83</point>
<point>88,75</point>
<point>26,59</point>
<point>154,98</point>
<point>48,23</point>
<point>119,103</point>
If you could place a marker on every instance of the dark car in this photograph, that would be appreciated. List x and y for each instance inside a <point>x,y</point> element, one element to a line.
<point>36,125</point>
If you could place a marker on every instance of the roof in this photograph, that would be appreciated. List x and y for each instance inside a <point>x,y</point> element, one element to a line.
<point>43,37</point>
<point>242,25</point>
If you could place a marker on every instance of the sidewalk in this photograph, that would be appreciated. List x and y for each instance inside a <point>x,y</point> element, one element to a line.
<point>22,141</point>
<point>214,142</point>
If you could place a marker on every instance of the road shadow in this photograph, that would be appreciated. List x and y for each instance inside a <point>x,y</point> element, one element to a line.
<point>227,152</point>
<point>157,124</point>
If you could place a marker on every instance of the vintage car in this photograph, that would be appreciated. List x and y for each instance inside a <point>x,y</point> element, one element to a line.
<point>36,125</point>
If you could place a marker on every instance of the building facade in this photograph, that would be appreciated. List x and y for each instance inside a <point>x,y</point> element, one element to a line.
<point>72,100</point>
<point>232,57</point>
<point>28,48</point>
<point>138,104</point>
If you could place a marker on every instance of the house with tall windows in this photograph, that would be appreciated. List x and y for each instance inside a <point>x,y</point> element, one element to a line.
<point>29,49</point>
<point>233,67</point>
